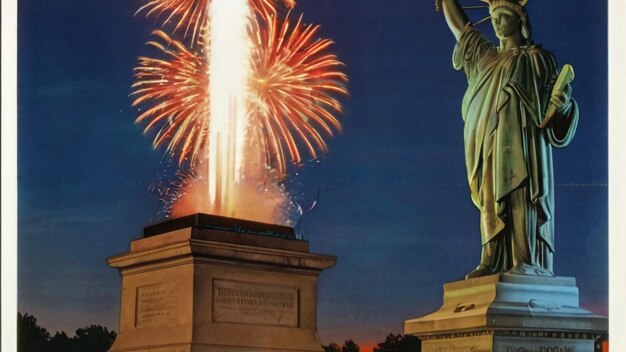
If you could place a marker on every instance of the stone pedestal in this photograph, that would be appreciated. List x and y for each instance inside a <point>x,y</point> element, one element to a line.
<point>509,313</point>
<point>212,284</point>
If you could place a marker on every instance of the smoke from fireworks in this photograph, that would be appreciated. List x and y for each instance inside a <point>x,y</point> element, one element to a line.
<point>240,105</point>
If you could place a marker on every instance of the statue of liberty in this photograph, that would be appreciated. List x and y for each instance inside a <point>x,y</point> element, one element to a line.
<point>515,111</point>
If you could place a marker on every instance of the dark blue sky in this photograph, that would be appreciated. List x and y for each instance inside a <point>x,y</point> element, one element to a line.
<point>393,203</point>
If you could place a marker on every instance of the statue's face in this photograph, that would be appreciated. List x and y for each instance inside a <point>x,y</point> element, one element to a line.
<point>505,22</point>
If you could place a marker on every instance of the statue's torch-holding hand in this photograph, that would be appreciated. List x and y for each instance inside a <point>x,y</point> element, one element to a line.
<point>561,98</point>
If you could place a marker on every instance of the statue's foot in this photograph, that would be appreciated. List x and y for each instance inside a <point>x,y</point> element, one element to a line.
<point>526,269</point>
<point>481,270</point>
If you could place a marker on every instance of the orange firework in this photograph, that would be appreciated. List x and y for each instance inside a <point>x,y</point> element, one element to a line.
<point>192,15</point>
<point>292,91</point>
<point>177,93</point>
<point>268,7</point>
<point>293,85</point>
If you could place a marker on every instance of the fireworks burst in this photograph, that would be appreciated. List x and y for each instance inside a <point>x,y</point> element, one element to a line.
<point>192,15</point>
<point>177,93</point>
<point>293,85</point>
<point>249,95</point>
<point>267,8</point>
<point>291,100</point>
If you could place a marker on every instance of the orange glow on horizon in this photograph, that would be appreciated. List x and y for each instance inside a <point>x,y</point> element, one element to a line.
<point>368,347</point>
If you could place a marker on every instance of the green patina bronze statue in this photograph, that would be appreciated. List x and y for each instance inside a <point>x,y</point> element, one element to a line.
<point>515,110</point>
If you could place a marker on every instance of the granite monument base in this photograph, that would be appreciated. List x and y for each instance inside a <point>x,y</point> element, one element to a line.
<point>509,313</point>
<point>212,284</point>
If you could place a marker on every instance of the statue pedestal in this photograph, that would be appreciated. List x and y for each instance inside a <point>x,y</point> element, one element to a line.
<point>509,313</point>
<point>211,284</point>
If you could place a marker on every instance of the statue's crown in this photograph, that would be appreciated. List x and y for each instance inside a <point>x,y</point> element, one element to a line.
<point>516,5</point>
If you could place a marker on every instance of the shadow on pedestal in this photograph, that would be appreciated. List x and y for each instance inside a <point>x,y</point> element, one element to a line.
<point>205,283</point>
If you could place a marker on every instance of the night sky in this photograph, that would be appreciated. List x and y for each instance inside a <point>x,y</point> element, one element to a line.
<point>392,200</point>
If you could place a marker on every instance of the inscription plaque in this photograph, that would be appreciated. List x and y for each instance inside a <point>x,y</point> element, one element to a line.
<point>490,343</point>
<point>157,305</point>
<point>479,343</point>
<point>459,348</point>
<point>251,303</point>
<point>518,344</point>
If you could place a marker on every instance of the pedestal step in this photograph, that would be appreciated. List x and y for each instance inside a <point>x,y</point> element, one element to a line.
<point>509,313</point>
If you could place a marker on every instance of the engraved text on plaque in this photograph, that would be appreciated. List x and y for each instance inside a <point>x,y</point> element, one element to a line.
<point>250,303</point>
<point>157,305</point>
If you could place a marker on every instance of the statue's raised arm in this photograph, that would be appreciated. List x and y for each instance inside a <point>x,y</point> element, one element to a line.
<point>454,14</point>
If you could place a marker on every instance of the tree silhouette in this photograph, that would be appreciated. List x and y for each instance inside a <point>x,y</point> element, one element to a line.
<point>34,338</point>
<point>60,342</point>
<point>399,343</point>
<point>30,336</point>
<point>349,346</point>
<point>94,338</point>
<point>333,347</point>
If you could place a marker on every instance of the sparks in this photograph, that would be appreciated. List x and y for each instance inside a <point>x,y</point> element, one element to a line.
<point>170,192</point>
<point>177,92</point>
<point>293,87</point>
<point>192,15</point>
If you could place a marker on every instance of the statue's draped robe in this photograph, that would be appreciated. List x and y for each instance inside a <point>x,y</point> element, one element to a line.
<point>505,150</point>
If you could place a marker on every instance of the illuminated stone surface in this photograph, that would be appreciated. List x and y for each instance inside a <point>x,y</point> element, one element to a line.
<point>216,284</point>
<point>509,313</point>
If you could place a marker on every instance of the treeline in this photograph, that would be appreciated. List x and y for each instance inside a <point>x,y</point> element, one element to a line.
<point>393,343</point>
<point>34,338</point>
